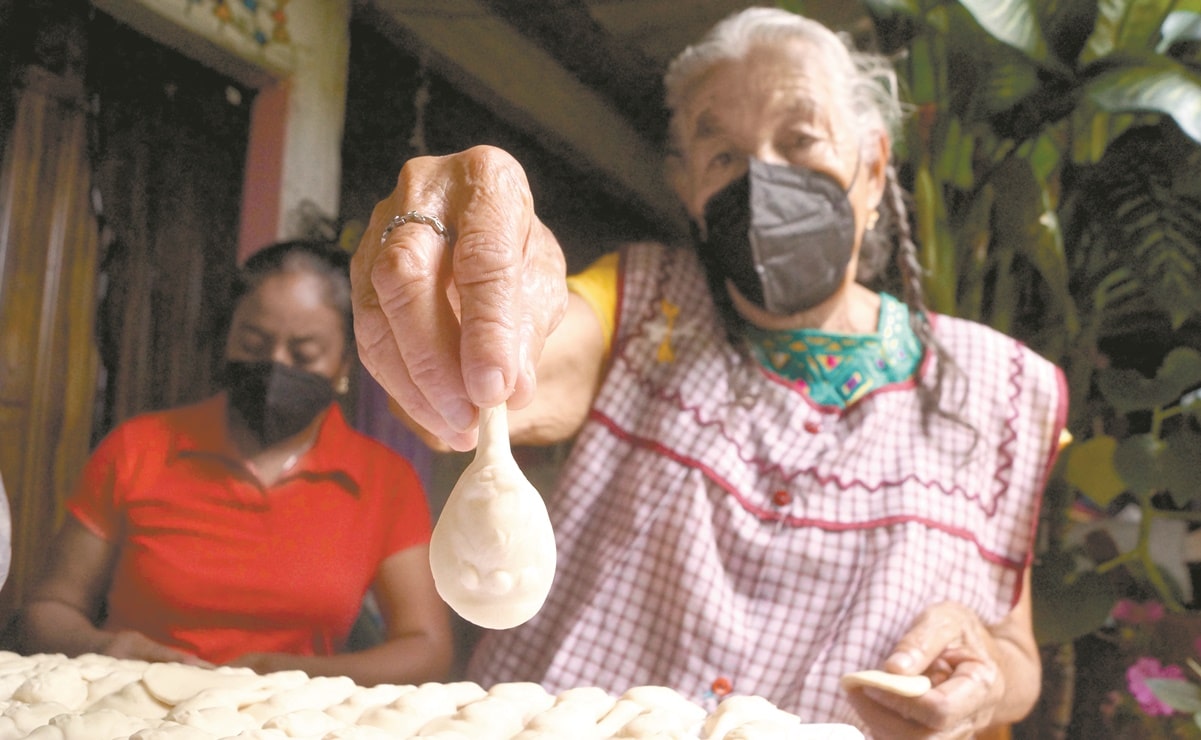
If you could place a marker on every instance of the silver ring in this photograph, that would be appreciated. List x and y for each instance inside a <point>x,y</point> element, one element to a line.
<point>416,217</point>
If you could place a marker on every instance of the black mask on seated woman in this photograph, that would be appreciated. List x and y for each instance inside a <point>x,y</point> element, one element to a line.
<point>275,400</point>
<point>783,235</point>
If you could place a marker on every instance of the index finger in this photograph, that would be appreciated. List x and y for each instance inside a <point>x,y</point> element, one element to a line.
<point>493,224</point>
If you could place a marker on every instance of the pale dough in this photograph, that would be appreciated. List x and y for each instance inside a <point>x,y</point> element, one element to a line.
<point>492,551</point>
<point>895,683</point>
<point>171,683</point>
<point>129,700</point>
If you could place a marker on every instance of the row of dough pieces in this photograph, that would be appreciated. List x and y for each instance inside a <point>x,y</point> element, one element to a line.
<point>93,697</point>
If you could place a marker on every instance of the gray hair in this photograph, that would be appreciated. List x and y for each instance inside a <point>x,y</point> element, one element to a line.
<point>867,80</point>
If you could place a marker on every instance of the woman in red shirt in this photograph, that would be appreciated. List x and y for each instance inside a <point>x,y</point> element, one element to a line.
<point>246,529</point>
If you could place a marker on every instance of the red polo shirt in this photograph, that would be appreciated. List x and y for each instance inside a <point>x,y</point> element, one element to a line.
<point>213,563</point>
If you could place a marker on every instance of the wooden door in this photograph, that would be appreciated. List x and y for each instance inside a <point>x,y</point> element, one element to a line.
<point>170,150</point>
<point>119,199</point>
<point>48,255</point>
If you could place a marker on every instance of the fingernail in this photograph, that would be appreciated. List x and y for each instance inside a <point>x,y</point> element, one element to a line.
<point>901,661</point>
<point>460,415</point>
<point>487,388</point>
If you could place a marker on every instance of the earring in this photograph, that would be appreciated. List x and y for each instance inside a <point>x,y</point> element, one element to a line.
<point>342,387</point>
<point>872,218</point>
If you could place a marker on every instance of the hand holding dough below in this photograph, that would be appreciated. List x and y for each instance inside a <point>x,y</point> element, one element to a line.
<point>894,682</point>
<point>492,551</point>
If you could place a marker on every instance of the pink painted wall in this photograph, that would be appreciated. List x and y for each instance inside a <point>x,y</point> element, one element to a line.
<point>263,184</point>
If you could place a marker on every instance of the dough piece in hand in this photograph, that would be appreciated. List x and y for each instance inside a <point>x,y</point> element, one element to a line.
<point>895,683</point>
<point>492,551</point>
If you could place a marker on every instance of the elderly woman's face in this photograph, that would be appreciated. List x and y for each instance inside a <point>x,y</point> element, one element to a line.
<point>776,105</point>
<point>287,319</point>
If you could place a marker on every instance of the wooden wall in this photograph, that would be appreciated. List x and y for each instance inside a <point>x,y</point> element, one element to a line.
<point>119,202</point>
<point>48,257</point>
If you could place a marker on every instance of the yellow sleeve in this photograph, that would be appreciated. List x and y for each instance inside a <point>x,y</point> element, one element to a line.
<point>597,285</point>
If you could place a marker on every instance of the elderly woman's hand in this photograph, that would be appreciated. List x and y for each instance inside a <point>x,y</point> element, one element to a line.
<point>962,657</point>
<point>449,324</point>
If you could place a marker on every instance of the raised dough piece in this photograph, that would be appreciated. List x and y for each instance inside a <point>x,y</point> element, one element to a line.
<point>736,711</point>
<point>133,700</point>
<point>895,683</point>
<point>28,717</point>
<point>492,552</point>
<point>356,732</point>
<point>303,723</point>
<point>529,697</point>
<point>618,716</point>
<point>352,707</point>
<point>770,729</point>
<point>172,731</point>
<point>62,684</point>
<point>103,723</point>
<point>656,697</point>
<point>220,721</point>
<point>171,683</point>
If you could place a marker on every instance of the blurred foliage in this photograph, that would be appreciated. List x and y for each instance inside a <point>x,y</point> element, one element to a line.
<point>1053,158</point>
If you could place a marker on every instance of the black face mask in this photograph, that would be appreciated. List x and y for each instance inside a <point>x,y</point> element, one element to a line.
<point>275,400</point>
<point>783,235</point>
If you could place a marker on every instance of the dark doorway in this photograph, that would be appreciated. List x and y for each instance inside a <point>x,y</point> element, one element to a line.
<point>169,149</point>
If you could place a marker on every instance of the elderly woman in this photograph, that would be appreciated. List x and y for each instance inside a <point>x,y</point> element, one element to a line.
<point>247,528</point>
<point>780,476</point>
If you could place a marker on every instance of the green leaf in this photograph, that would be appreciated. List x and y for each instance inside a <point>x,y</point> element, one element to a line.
<point>1181,466</point>
<point>888,7</point>
<point>1125,26</point>
<point>938,248</point>
<point>1180,25</point>
<point>1067,610</point>
<point>1178,694</point>
<point>1180,371</point>
<point>1089,467</point>
<point>1137,460</point>
<point>1013,22</point>
<point>1191,403</point>
<point>1026,223</point>
<point>1129,390</point>
<point>954,161</point>
<point>1159,85</point>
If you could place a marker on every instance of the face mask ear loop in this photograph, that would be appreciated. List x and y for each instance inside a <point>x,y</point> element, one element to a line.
<point>855,176</point>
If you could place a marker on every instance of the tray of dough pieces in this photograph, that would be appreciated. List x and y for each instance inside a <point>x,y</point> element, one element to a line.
<point>93,697</point>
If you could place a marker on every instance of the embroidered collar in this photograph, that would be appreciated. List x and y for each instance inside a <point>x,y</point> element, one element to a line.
<point>840,369</point>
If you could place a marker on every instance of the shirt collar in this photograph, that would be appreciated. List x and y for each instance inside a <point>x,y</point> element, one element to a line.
<point>201,432</point>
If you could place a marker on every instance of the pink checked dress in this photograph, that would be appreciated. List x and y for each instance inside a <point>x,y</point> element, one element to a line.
<point>717,530</point>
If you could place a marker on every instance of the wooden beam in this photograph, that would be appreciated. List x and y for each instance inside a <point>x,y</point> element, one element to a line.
<point>567,30</point>
<point>490,60</point>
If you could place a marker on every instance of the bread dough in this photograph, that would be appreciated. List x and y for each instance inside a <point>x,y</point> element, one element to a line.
<point>492,551</point>
<point>740,711</point>
<point>171,683</point>
<point>895,683</point>
<point>126,699</point>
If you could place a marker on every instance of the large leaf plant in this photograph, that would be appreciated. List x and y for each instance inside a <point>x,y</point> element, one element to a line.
<point>1054,157</point>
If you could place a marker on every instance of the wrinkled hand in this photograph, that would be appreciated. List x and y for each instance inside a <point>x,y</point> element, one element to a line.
<point>449,324</point>
<point>130,645</point>
<point>950,644</point>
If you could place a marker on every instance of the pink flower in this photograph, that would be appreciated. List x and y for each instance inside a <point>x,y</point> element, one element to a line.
<point>1136,681</point>
<point>1135,612</point>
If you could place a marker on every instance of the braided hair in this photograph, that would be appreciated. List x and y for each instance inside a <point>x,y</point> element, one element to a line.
<point>870,86</point>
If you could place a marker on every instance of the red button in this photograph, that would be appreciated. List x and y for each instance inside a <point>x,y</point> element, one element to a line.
<point>722,686</point>
<point>812,427</point>
<point>781,498</point>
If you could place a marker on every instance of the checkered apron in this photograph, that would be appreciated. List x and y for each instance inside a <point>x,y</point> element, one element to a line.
<point>713,524</point>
